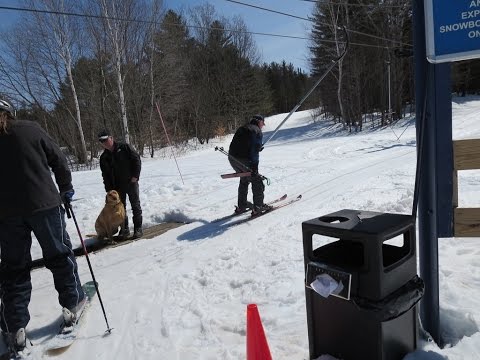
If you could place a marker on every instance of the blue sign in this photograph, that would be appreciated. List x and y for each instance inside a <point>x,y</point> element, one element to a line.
<point>452,30</point>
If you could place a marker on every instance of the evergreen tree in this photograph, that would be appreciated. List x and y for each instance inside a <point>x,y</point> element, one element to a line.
<point>288,86</point>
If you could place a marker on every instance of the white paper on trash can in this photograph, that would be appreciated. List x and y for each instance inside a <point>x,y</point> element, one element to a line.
<point>325,285</point>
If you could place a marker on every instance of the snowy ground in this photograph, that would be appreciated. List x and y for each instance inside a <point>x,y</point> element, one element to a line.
<point>183,295</point>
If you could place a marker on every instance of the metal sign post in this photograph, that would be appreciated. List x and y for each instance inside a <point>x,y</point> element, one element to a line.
<point>434,116</point>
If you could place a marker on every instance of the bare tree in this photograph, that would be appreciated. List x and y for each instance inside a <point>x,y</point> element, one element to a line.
<point>150,49</point>
<point>334,17</point>
<point>243,40</point>
<point>327,19</point>
<point>113,11</point>
<point>17,76</point>
<point>122,26</point>
<point>61,33</point>
<point>43,50</point>
<point>202,18</point>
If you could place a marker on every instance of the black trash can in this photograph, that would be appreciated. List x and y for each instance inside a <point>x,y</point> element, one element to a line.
<point>374,316</point>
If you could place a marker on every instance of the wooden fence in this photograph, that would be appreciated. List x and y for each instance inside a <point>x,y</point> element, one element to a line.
<point>466,156</point>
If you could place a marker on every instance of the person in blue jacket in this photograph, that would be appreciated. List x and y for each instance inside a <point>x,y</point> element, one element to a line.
<point>244,155</point>
<point>31,202</point>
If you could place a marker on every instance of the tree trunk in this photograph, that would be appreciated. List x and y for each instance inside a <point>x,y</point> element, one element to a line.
<point>115,37</point>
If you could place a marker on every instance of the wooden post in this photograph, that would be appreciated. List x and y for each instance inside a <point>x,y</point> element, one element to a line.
<point>466,157</point>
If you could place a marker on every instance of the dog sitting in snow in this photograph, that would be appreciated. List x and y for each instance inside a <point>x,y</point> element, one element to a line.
<point>111,217</point>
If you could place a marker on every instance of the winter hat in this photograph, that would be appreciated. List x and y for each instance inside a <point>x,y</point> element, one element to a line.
<point>8,108</point>
<point>103,135</point>
<point>256,119</point>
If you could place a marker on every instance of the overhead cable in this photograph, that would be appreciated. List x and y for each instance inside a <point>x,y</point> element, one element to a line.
<point>355,5</point>
<point>102,17</point>
<point>311,20</point>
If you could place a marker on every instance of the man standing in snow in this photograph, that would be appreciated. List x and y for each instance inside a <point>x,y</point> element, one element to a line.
<point>244,154</point>
<point>121,166</point>
<point>30,201</point>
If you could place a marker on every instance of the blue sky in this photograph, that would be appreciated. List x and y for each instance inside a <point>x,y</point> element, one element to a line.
<point>276,49</point>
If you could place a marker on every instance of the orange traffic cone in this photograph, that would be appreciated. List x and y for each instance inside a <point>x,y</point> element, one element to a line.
<point>257,346</point>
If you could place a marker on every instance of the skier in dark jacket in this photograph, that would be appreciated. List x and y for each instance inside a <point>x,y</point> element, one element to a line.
<point>243,155</point>
<point>30,201</point>
<point>121,166</point>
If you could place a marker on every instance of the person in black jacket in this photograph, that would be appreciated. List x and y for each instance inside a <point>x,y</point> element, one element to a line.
<point>30,201</point>
<point>121,166</point>
<point>243,155</point>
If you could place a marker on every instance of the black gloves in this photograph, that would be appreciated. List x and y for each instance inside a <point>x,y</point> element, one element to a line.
<point>254,170</point>
<point>67,196</point>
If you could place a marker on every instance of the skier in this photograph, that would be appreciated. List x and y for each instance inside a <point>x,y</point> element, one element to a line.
<point>30,201</point>
<point>121,166</point>
<point>244,154</point>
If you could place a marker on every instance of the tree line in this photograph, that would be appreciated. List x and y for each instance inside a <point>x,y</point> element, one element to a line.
<point>138,70</point>
<point>143,71</point>
<point>376,78</point>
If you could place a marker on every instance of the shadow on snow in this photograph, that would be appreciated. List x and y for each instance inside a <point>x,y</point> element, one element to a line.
<point>211,229</point>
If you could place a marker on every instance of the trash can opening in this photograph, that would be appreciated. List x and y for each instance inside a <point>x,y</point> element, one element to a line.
<point>396,250</point>
<point>333,219</point>
<point>341,253</point>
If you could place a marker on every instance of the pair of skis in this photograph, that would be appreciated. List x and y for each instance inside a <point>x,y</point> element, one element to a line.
<point>275,204</point>
<point>63,339</point>
<point>273,208</point>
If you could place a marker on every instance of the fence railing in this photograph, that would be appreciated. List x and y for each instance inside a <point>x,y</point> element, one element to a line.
<point>83,167</point>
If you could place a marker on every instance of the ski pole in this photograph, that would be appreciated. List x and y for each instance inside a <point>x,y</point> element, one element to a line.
<point>334,62</point>
<point>71,214</point>
<point>238,162</point>
<point>241,164</point>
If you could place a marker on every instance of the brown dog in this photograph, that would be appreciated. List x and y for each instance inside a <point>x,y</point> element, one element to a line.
<point>111,217</point>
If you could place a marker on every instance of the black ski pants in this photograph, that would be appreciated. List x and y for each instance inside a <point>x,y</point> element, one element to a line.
<point>258,187</point>
<point>16,262</point>
<point>132,190</point>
